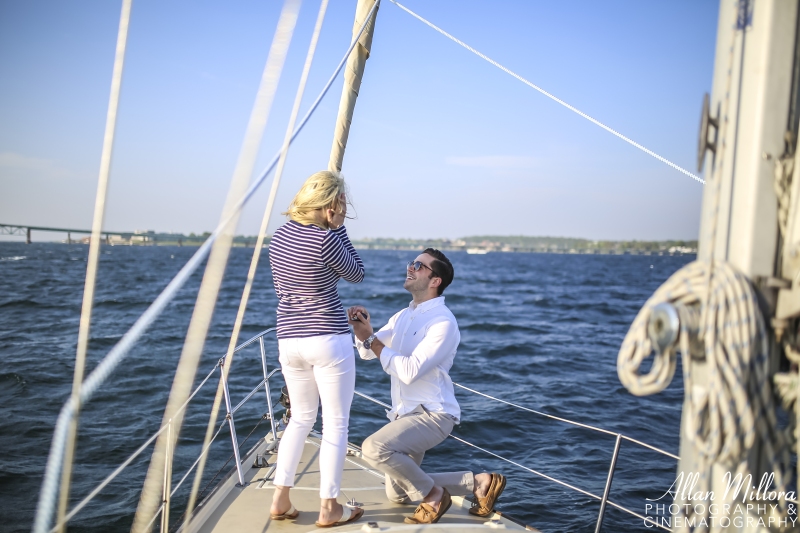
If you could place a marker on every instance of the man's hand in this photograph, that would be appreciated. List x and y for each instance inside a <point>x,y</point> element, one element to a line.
<point>358,317</point>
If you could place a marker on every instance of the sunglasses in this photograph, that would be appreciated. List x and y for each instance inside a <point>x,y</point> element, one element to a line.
<point>416,265</point>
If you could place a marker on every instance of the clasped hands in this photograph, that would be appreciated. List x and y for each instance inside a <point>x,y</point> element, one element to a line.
<point>358,317</point>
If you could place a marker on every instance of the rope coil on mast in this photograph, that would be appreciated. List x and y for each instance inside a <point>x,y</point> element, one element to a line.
<point>738,409</point>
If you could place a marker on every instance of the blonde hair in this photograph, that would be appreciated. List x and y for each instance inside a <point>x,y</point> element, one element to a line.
<point>320,191</point>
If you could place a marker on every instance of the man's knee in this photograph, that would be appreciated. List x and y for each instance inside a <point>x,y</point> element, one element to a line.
<point>373,451</point>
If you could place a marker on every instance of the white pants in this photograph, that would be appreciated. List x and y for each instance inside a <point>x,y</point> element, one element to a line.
<point>315,368</point>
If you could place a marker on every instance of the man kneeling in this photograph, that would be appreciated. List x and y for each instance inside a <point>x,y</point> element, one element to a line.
<point>417,348</point>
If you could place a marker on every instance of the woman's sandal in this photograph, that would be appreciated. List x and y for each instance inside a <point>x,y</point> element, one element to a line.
<point>484,506</point>
<point>291,514</point>
<point>347,516</point>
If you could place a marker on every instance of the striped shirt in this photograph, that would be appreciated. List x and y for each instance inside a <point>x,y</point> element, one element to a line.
<point>307,262</point>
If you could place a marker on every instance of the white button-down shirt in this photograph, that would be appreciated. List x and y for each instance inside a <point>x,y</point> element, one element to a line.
<point>419,348</point>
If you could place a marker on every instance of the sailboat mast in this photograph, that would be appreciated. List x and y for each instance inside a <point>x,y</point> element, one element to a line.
<point>748,141</point>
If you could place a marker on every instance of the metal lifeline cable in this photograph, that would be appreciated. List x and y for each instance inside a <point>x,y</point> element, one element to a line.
<point>579,424</point>
<point>551,96</point>
<point>75,510</point>
<point>94,255</point>
<point>214,273</point>
<point>203,453</point>
<point>49,491</point>
<point>89,497</point>
<point>523,467</point>
<point>264,100</point>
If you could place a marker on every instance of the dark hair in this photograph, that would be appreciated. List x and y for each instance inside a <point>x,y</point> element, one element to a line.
<point>442,266</point>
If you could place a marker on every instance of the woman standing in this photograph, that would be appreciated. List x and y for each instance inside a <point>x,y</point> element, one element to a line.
<point>308,255</point>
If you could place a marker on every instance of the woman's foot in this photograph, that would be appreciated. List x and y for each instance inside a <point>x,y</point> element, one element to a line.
<point>331,512</point>
<point>282,508</point>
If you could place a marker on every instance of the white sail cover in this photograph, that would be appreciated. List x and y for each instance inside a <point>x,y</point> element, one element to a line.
<point>352,81</point>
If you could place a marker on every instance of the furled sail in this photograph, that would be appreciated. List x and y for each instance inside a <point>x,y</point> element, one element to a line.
<point>352,80</point>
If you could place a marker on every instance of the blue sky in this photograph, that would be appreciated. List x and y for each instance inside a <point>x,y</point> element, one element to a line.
<point>442,143</point>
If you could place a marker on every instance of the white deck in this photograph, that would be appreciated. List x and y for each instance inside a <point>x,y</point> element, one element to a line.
<point>231,508</point>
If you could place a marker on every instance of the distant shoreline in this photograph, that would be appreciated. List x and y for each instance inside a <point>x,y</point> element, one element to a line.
<point>477,245</point>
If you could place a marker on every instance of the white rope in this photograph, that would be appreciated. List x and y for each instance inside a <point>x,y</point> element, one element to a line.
<point>210,286</point>
<point>117,354</point>
<point>43,514</point>
<point>264,100</point>
<point>737,412</point>
<point>552,97</point>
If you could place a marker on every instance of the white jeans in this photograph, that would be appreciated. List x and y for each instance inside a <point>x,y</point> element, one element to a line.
<point>313,368</point>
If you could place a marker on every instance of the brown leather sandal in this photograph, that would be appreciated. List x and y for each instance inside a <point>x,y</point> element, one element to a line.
<point>484,506</point>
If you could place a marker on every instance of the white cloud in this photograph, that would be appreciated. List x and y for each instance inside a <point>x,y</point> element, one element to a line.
<point>493,161</point>
<point>10,161</point>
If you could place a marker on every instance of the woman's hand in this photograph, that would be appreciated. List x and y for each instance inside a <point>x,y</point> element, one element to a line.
<point>336,214</point>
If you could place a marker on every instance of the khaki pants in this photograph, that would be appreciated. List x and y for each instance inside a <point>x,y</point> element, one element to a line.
<point>398,448</point>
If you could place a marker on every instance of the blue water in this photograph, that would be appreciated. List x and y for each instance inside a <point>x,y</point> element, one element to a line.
<point>539,330</point>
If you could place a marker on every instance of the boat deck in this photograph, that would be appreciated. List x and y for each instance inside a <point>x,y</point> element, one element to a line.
<point>246,509</point>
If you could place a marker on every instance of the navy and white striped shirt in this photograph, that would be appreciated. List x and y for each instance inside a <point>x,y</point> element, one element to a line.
<point>307,262</point>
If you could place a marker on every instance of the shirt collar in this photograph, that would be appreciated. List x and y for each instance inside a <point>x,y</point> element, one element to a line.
<point>426,306</point>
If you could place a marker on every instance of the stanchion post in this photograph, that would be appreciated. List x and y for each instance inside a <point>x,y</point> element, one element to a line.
<point>607,490</point>
<point>232,426</point>
<point>267,389</point>
<point>167,480</point>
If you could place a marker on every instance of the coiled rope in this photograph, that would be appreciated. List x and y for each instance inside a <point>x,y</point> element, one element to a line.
<point>737,411</point>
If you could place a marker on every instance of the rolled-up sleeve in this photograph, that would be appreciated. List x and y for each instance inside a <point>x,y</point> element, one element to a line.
<point>440,341</point>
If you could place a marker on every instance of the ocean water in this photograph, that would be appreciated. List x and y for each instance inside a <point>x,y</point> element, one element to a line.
<point>539,330</point>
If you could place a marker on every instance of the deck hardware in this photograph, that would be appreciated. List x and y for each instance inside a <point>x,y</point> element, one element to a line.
<point>286,402</point>
<point>370,526</point>
<point>495,524</point>
<point>706,120</point>
<point>608,484</point>
<point>261,461</point>
<point>266,388</point>
<point>663,326</point>
<point>772,282</point>
<point>167,483</point>
<point>231,424</point>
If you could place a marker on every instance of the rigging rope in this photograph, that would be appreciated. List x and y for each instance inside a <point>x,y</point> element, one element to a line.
<point>117,354</point>
<point>551,96</point>
<point>91,270</point>
<point>737,411</point>
<point>269,83</point>
<point>214,272</point>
